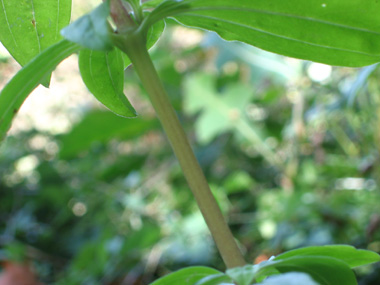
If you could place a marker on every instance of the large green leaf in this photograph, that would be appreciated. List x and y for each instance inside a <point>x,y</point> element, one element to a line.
<point>348,254</point>
<point>334,32</point>
<point>215,279</point>
<point>29,27</point>
<point>103,74</point>
<point>28,78</point>
<point>223,111</point>
<point>91,30</point>
<point>165,9</point>
<point>186,276</point>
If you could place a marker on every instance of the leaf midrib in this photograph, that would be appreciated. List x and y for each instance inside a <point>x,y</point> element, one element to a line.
<point>35,26</point>
<point>208,8</point>
<point>279,36</point>
<point>114,85</point>
<point>6,19</point>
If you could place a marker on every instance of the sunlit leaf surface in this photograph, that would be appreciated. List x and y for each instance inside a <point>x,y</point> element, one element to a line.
<point>103,74</point>
<point>313,30</point>
<point>28,78</point>
<point>29,27</point>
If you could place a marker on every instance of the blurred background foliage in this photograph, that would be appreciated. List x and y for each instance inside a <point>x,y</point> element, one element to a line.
<point>290,149</point>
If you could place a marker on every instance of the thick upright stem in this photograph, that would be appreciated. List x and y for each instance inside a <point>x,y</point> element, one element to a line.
<point>220,231</point>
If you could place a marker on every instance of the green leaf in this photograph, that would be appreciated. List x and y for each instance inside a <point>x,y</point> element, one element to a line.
<point>186,276</point>
<point>245,276</point>
<point>91,30</point>
<point>100,127</point>
<point>133,2</point>
<point>165,9</point>
<point>151,4</point>
<point>291,278</point>
<point>154,33</point>
<point>28,78</point>
<point>242,275</point>
<point>29,27</point>
<point>325,270</point>
<point>215,279</point>
<point>223,112</point>
<point>201,94</point>
<point>348,254</point>
<point>103,74</point>
<point>312,30</point>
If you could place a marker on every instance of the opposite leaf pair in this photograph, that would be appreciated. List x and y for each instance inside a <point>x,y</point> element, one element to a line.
<point>102,65</point>
<point>323,265</point>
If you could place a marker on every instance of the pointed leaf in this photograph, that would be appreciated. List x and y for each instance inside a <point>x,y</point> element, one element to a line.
<point>154,33</point>
<point>91,30</point>
<point>28,78</point>
<point>348,254</point>
<point>186,276</point>
<point>103,74</point>
<point>313,30</point>
<point>216,279</point>
<point>29,27</point>
<point>165,9</point>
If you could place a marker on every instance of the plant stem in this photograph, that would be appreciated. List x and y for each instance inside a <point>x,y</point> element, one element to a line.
<point>227,246</point>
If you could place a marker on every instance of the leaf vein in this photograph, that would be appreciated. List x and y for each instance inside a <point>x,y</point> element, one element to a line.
<point>9,27</point>
<point>35,26</point>
<point>279,36</point>
<point>57,24</point>
<point>284,15</point>
<point>110,74</point>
